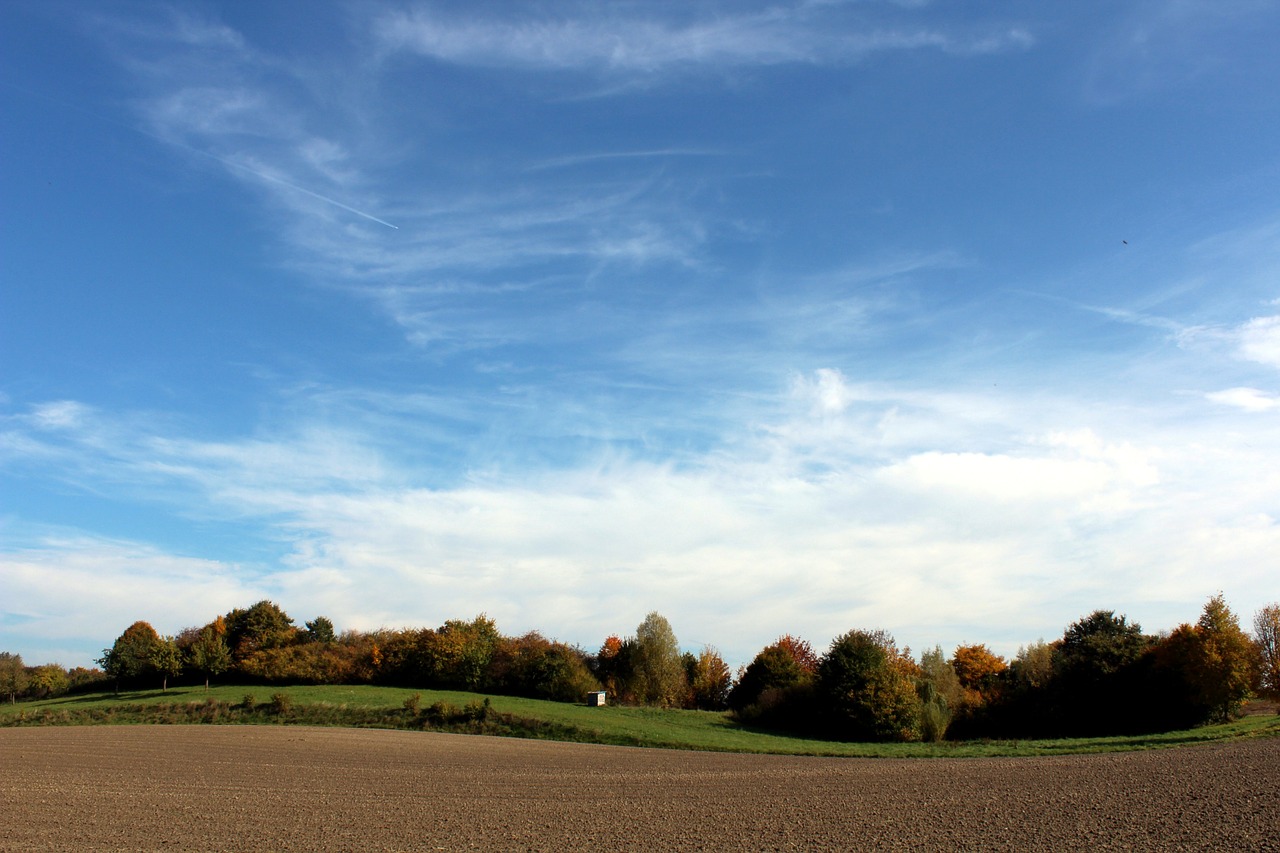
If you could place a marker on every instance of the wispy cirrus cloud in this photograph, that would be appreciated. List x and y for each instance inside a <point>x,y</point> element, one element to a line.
<point>1151,48</point>
<point>645,45</point>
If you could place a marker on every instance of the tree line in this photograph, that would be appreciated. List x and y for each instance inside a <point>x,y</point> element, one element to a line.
<point>1103,676</point>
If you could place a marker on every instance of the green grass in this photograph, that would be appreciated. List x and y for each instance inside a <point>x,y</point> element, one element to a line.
<point>384,707</point>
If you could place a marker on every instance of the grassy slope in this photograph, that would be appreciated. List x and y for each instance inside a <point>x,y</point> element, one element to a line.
<point>382,706</point>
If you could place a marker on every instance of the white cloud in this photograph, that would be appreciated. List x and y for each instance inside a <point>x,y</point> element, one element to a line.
<point>1249,399</point>
<point>827,391</point>
<point>936,545</point>
<point>73,588</point>
<point>1259,340</point>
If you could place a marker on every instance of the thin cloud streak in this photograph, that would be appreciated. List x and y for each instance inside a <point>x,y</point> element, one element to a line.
<point>637,45</point>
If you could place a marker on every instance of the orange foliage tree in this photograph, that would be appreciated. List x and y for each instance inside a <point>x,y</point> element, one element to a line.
<point>978,669</point>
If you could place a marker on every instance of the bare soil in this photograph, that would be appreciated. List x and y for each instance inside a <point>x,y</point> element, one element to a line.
<point>278,788</point>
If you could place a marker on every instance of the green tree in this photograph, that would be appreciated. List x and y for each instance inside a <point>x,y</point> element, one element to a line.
<point>1098,685</point>
<point>13,676</point>
<point>1099,646</point>
<point>560,673</point>
<point>320,630</point>
<point>938,671</point>
<point>1266,636</point>
<point>940,692</point>
<point>166,660</point>
<point>131,658</point>
<point>868,688</point>
<point>658,676</point>
<point>262,626</point>
<point>1032,667</point>
<point>208,654</point>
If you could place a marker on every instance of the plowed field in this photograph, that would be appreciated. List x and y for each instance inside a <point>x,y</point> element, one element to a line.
<point>277,788</point>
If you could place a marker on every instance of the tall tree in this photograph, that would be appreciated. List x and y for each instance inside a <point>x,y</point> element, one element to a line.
<point>941,694</point>
<point>1266,636</point>
<point>658,676</point>
<point>1100,645</point>
<point>1226,670</point>
<point>942,674</point>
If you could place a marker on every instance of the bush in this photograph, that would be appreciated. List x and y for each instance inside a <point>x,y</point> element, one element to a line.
<point>441,713</point>
<point>281,703</point>
<point>413,704</point>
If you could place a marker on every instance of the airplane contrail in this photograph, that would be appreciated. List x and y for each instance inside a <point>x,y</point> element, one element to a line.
<point>233,164</point>
<point>229,163</point>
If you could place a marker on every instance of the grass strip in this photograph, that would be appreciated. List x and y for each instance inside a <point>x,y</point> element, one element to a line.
<point>364,706</point>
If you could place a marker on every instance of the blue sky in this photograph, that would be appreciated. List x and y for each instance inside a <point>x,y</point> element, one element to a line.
<point>955,320</point>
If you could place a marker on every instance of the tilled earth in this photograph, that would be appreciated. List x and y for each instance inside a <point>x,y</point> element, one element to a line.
<point>277,788</point>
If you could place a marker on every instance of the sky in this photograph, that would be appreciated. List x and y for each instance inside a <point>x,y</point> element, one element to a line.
<point>955,320</point>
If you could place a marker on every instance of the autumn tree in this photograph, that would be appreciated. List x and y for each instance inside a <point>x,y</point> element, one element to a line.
<point>777,668</point>
<point>614,664</point>
<point>531,665</point>
<point>977,667</point>
<point>868,688</point>
<point>462,651</point>
<point>658,674</point>
<point>1226,669</point>
<point>1266,636</point>
<point>13,676</point>
<point>132,656</point>
<point>47,680</point>
<point>709,679</point>
<point>82,678</point>
<point>978,670</point>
